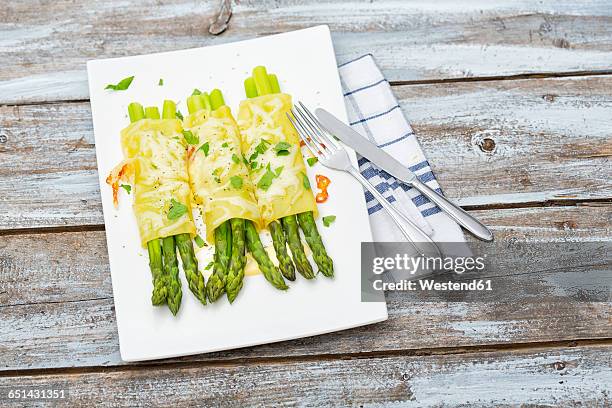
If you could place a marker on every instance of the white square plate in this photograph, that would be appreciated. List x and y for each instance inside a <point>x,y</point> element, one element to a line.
<point>306,67</point>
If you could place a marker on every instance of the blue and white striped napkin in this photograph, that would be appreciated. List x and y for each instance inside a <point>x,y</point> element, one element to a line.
<point>374,112</point>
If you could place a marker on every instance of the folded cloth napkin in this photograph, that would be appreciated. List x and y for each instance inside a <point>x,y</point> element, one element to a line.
<point>374,112</point>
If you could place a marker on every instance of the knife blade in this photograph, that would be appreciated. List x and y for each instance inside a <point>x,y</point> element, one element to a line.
<point>364,147</point>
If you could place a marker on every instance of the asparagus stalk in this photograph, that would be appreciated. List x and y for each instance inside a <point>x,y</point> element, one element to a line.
<point>171,270</point>
<point>154,248</point>
<point>190,266</point>
<point>323,261</point>
<point>175,292</point>
<point>223,251</point>
<point>160,290</point>
<point>290,226</point>
<point>235,270</point>
<point>280,247</point>
<point>262,83</point>
<point>255,247</point>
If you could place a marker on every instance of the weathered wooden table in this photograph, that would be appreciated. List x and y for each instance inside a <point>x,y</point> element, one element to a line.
<point>512,102</point>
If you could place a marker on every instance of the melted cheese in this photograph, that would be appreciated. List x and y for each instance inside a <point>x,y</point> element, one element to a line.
<point>155,151</point>
<point>211,171</point>
<point>263,120</point>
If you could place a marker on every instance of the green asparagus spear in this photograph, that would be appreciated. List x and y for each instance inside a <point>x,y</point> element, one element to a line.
<point>160,291</point>
<point>280,246</point>
<point>270,272</point>
<point>151,112</point>
<point>323,261</point>
<point>290,226</point>
<point>171,270</point>
<point>135,111</point>
<point>195,103</point>
<point>169,110</point>
<point>223,250</point>
<point>216,99</point>
<point>190,267</point>
<point>156,264</point>
<point>235,270</point>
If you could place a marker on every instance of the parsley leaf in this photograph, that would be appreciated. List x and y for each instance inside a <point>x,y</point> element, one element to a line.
<point>190,137</point>
<point>266,180</point>
<point>127,188</point>
<point>196,91</point>
<point>305,181</point>
<point>282,148</point>
<point>261,147</point>
<point>177,210</point>
<point>253,165</point>
<point>224,144</point>
<point>311,161</point>
<point>160,82</point>
<point>235,158</point>
<point>199,241</point>
<point>327,221</point>
<point>279,170</point>
<point>253,156</point>
<point>121,85</point>
<point>210,265</point>
<point>205,148</point>
<point>236,181</point>
<point>179,115</point>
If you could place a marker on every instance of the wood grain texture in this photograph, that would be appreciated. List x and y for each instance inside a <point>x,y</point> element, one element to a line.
<point>563,378</point>
<point>45,45</point>
<point>547,141</point>
<point>59,309</point>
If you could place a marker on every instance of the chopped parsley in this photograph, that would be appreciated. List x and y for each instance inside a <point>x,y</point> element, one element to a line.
<point>253,156</point>
<point>236,181</point>
<point>253,165</point>
<point>266,180</point>
<point>210,265</point>
<point>305,181</point>
<point>190,137</point>
<point>127,188</point>
<point>279,170</point>
<point>282,149</point>
<point>196,91</point>
<point>311,161</point>
<point>160,82</point>
<point>205,148</point>
<point>328,220</point>
<point>235,158</point>
<point>199,241</point>
<point>262,147</point>
<point>224,144</point>
<point>177,210</point>
<point>179,115</point>
<point>121,85</point>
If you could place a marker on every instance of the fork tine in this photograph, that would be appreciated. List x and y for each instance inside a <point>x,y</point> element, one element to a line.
<point>332,140</point>
<point>304,136</point>
<point>309,134</point>
<point>315,134</point>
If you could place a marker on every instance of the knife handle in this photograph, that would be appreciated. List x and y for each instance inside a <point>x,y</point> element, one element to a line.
<point>455,212</point>
<point>419,239</point>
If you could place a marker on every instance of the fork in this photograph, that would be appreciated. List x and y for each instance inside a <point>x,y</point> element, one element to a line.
<point>333,155</point>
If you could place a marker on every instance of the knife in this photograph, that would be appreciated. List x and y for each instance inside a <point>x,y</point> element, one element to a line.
<point>386,162</point>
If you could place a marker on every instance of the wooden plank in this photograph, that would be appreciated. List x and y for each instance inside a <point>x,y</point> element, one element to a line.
<point>558,377</point>
<point>44,49</point>
<point>59,307</point>
<point>551,143</point>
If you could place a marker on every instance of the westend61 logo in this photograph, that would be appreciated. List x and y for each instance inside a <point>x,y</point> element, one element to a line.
<point>412,264</point>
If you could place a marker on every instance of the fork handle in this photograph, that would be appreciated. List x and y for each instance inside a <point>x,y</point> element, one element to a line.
<point>455,212</point>
<point>408,228</point>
